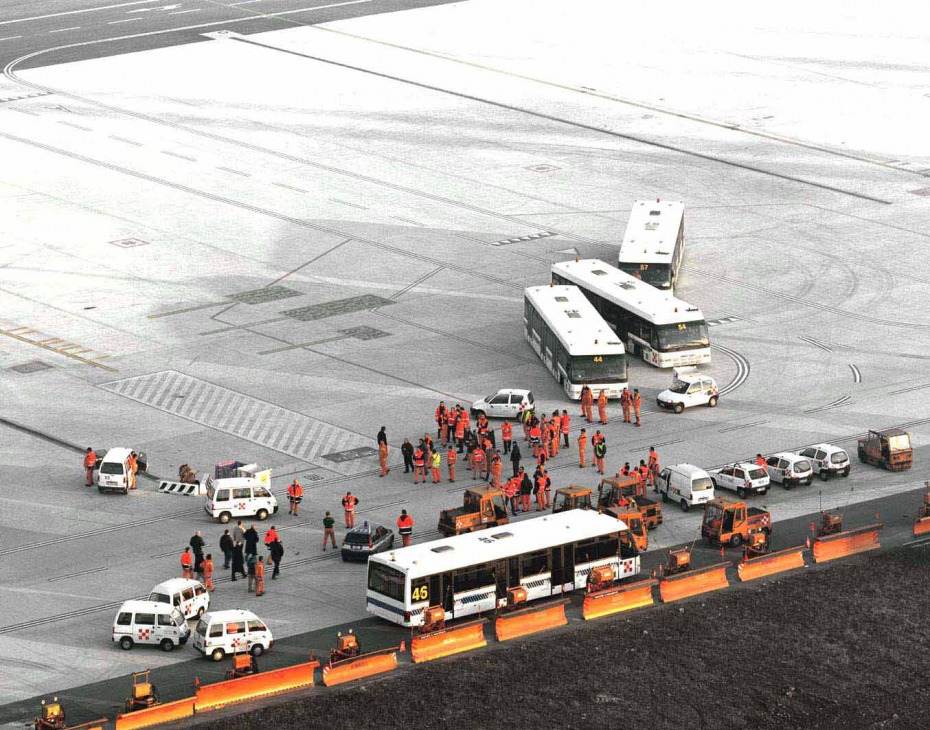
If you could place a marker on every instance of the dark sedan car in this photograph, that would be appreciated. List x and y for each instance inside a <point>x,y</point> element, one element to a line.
<point>366,539</point>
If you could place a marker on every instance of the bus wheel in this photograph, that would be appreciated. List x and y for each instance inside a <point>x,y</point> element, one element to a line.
<point>712,403</point>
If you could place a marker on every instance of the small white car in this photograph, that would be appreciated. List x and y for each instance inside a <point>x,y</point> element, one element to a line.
<point>689,388</point>
<point>505,403</point>
<point>789,470</point>
<point>742,478</point>
<point>827,460</point>
<point>185,594</point>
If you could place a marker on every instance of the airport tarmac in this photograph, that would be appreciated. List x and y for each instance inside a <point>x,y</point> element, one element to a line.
<point>264,247</point>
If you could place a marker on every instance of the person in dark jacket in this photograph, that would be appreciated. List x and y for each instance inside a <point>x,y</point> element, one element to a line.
<point>197,544</point>
<point>515,457</point>
<point>382,436</point>
<point>238,561</point>
<point>407,450</point>
<point>276,551</point>
<point>251,541</point>
<point>526,489</point>
<point>226,545</point>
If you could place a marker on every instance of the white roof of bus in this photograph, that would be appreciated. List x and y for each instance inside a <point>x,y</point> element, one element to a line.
<point>653,305</point>
<point>584,331</point>
<point>652,231</point>
<point>482,546</point>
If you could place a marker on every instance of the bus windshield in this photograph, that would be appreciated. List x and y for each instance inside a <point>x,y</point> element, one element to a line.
<point>682,336</point>
<point>597,369</point>
<point>654,274</point>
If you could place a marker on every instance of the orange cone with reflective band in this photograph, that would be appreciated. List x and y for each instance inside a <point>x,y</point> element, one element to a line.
<point>922,526</point>
<point>850,542</point>
<point>620,598</point>
<point>358,668</point>
<point>693,582</point>
<point>529,621</point>
<point>447,642</point>
<point>770,564</point>
<point>166,712</point>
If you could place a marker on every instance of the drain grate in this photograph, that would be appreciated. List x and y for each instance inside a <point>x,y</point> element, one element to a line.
<point>350,455</point>
<point>31,367</point>
<point>543,168</point>
<point>337,307</point>
<point>129,243</point>
<point>364,333</point>
<point>265,294</point>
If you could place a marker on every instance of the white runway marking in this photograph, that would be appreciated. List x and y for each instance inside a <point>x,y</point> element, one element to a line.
<point>62,30</point>
<point>75,12</point>
<point>127,20</point>
<point>10,38</point>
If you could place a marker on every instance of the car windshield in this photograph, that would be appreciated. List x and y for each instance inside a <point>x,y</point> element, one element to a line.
<point>756,473</point>
<point>701,484</point>
<point>682,336</point>
<point>598,369</point>
<point>679,386</point>
<point>655,274</point>
<point>111,467</point>
<point>357,538</point>
<point>178,618</point>
<point>840,457</point>
<point>901,441</point>
<point>160,597</point>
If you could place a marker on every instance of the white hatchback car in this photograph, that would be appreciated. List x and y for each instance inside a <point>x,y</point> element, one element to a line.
<point>741,478</point>
<point>505,403</point>
<point>689,388</point>
<point>789,470</point>
<point>827,460</point>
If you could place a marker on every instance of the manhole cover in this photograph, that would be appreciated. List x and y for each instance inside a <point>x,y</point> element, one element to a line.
<point>364,333</point>
<point>337,307</point>
<point>265,294</point>
<point>350,455</point>
<point>923,191</point>
<point>129,243</point>
<point>31,367</point>
<point>543,168</point>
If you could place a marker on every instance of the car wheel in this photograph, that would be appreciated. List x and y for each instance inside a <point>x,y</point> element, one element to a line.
<point>741,493</point>
<point>824,475</point>
<point>846,472</point>
<point>217,655</point>
<point>225,517</point>
<point>262,514</point>
<point>764,492</point>
<point>712,403</point>
<point>684,505</point>
<point>786,484</point>
<point>167,645</point>
<point>665,496</point>
<point>257,650</point>
<point>125,643</point>
<point>679,407</point>
<point>736,541</point>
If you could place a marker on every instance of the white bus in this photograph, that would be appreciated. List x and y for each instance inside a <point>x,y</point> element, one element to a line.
<point>573,340</point>
<point>654,242</point>
<point>467,574</point>
<point>666,331</point>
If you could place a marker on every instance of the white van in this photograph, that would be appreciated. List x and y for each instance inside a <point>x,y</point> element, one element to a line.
<point>789,469</point>
<point>113,475</point>
<point>685,484</point>
<point>185,594</point>
<point>149,622</point>
<point>239,497</point>
<point>220,633</point>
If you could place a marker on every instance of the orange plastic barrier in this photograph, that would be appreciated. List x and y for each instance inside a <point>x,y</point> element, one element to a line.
<point>156,715</point>
<point>765,565</point>
<point>922,526</point>
<point>846,543</point>
<point>213,696</point>
<point>694,582</point>
<point>438,644</point>
<point>529,621</point>
<point>363,666</point>
<point>615,600</point>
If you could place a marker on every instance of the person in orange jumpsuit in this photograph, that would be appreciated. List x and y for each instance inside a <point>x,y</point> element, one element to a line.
<point>187,563</point>
<point>349,503</point>
<point>271,536</point>
<point>582,446</point>
<point>556,422</point>
<point>536,438</point>
<point>260,576</point>
<point>295,495</point>
<point>602,406</point>
<point>440,417</point>
<point>405,527</point>
<point>643,470</point>
<point>760,461</point>
<point>653,466</point>
<point>207,569</point>
<point>451,458</point>
<point>382,458</point>
<point>585,394</point>
<point>133,469</point>
<point>539,480</point>
<point>451,414</point>
<point>90,462</point>
<point>565,426</point>
<point>477,462</point>
<point>637,404</point>
<point>496,466</point>
<point>460,433</point>
<point>626,401</point>
<point>600,450</point>
<point>506,435</point>
<point>419,463</point>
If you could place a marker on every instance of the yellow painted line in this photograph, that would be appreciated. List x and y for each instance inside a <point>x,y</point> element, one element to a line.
<point>81,351</point>
<point>65,348</point>
<point>17,335</point>
<point>189,309</point>
<point>50,339</point>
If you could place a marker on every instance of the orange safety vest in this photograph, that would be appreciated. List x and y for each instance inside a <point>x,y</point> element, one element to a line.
<point>382,451</point>
<point>556,423</point>
<point>207,567</point>
<point>564,425</point>
<point>187,560</point>
<point>477,455</point>
<point>637,400</point>
<point>625,398</point>
<point>405,525</point>
<point>602,400</point>
<point>295,490</point>
<point>653,459</point>
<point>451,457</point>
<point>582,442</point>
<point>348,503</point>
<point>419,457</point>
<point>271,536</point>
<point>259,570</point>
<point>506,431</point>
<point>496,465</point>
<point>90,460</point>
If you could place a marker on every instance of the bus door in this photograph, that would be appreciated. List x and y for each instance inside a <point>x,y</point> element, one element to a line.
<point>435,590</point>
<point>442,591</point>
<point>563,568</point>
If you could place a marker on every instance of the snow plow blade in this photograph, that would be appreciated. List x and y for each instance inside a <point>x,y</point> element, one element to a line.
<point>615,600</point>
<point>530,621</point>
<point>765,565</point>
<point>214,696</point>
<point>447,642</point>
<point>165,712</point>
<point>359,667</point>
<point>846,543</point>
<point>693,582</point>
<point>922,526</point>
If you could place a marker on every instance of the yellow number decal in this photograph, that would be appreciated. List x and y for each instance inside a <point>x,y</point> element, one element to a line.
<point>420,594</point>
<point>644,267</point>
<point>682,326</point>
<point>598,359</point>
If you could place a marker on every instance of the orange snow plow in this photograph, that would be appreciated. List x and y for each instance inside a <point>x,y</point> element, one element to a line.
<point>435,640</point>
<point>752,568</point>
<point>693,582</point>
<point>922,523</point>
<point>850,542</point>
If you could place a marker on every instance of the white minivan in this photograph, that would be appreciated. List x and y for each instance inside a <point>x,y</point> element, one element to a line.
<point>239,497</point>
<point>186,594</point>
<point>149,622</point>
<point>685,484</point>
<point>219,633</point>
<point>789,469</point>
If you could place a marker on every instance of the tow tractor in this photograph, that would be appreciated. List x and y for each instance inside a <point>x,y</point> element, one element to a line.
<point>831,522</point>
<point>482,507</point>
<point>889,449</point>
<point>626,510</point>
<point>53,716</point>
<point>144,693</point>
<point>731,522</point>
